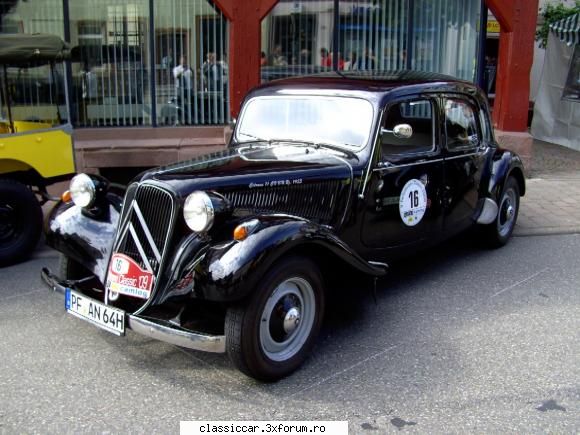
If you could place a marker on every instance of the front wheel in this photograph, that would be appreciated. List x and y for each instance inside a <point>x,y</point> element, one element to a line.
<point>498,233</point>
<point>20,222</point>
<point>271,334</point>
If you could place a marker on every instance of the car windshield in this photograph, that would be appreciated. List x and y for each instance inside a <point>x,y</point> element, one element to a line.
<point>341,121</point>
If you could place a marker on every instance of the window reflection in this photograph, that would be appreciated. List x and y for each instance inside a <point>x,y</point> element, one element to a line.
<point>371,36</point>
<point>191,65</point>
<point>36,93</point>
<point>109,63</point>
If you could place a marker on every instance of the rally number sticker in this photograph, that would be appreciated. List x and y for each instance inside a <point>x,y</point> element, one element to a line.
<point>413,203</point>
<point>127,277</point>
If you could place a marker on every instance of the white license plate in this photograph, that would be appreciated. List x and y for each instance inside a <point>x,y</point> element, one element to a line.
<point>105,317</point>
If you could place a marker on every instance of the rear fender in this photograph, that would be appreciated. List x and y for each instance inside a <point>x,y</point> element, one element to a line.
<point>229,271</point>
<point>86,238</point>
<point>505,164</point>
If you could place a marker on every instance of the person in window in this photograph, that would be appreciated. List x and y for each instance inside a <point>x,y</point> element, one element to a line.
<point>403,59</point>
<point>304,57</point>
<point>89,90</point>
<point>182,74</point>
<point>366,61</point>
<point>167,60</point>
<point>325,59</point>
<point>351,62</point>
<point>212,73</point>
<point>277,58</point>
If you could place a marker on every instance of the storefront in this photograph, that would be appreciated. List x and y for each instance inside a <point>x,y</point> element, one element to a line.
<point>141,66</point>
<point>160,63</point>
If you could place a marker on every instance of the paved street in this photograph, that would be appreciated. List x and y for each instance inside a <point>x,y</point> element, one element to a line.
<point>461,339</point>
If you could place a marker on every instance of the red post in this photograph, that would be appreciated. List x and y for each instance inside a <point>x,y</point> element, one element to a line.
<point>244,60</point>
<point>518,19</point>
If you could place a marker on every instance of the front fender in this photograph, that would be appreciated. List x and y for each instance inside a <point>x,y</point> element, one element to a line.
<point>229,271</point>
<point>85,238</point>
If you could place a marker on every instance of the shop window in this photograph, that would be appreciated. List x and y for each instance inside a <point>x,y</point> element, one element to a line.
<point>373,36</point>
<point>110,69</point>
<point>91,41</point>
<point>36,93</point>
<point>298,39</point>
<point>191,65</point>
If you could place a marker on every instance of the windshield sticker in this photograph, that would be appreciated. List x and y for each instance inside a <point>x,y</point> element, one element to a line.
<point>413,202</point>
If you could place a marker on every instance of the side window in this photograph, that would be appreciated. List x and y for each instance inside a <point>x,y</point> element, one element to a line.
<point>460,125</point>
<point>419,114</point>
<point>485,123</point>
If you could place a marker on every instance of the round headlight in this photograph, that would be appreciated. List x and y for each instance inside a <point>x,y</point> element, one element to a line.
<point>82,190</point>
<point>198,212</point>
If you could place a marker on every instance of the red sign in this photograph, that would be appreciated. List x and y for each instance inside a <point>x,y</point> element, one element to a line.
<point>127,277</point>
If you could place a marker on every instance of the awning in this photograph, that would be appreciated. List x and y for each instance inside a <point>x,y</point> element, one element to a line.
<point>568,29</point>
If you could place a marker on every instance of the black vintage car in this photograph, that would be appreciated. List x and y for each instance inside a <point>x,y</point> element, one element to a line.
<point>329,174</point>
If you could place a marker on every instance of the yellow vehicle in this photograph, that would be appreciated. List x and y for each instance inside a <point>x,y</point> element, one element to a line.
<point>36,147</point>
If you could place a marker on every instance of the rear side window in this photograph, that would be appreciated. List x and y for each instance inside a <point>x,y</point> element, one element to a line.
<point>419,114</point>
<point>461,125</point>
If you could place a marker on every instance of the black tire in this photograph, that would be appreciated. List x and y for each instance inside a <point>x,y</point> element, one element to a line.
<point>498,233</point>
<point>20,222</point>
<point>246,329</point>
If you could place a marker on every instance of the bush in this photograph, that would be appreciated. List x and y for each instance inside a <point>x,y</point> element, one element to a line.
<point>552,13</point>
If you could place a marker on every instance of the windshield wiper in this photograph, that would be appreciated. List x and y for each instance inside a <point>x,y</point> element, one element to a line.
<point>254,139</point>
<point>316,145</point>
<point>336,148</point>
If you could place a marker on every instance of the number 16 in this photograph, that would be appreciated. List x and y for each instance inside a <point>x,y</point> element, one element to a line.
<point>414,198</point>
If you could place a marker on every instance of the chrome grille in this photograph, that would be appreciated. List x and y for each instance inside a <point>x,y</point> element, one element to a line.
<point>312,201</point>
<point>149,235</point>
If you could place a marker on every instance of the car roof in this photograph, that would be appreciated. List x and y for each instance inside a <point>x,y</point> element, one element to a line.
<point>371,82</point>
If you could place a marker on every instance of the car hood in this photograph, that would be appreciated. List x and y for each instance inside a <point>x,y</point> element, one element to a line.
<point>258,167</point>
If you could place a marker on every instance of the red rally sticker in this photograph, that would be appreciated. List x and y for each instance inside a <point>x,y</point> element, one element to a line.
<point>127,277</point>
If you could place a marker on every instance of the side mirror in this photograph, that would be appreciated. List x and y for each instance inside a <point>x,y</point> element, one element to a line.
<point>401,131</point>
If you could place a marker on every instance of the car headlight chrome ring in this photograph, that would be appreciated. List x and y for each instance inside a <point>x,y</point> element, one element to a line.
<point>82,190</point>
<point>198,212</point>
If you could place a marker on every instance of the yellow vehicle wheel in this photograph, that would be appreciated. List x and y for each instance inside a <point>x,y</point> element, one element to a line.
<point>20,222</point>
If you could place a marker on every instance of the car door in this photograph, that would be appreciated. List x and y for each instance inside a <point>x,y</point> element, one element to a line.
<point>465,155</point>
<point>403,196</point>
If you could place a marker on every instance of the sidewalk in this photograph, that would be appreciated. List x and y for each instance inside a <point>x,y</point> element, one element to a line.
<point>552,201</point>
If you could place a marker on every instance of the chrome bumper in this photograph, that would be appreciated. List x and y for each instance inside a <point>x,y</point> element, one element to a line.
<point>149,328</point>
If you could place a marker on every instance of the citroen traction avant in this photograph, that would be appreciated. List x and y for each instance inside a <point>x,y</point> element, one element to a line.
<point>232,252</point>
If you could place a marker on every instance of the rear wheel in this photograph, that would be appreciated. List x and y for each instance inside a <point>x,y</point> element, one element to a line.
<point>271,335</point>
<point>20,222</point>
<point>498,233</point>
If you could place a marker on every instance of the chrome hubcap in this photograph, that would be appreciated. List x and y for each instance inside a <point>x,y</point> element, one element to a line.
<point>287,319</point>
<point>291,320</point>
<point>507,212</point>
<point>510,212</point>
